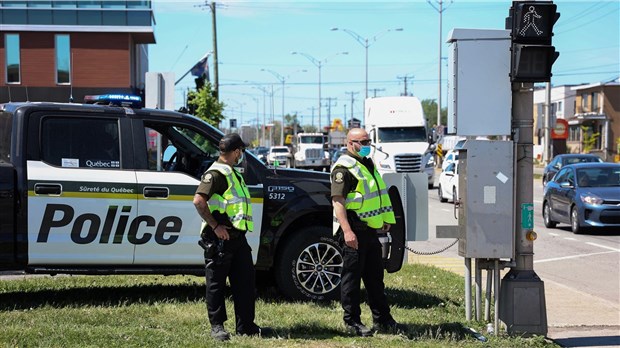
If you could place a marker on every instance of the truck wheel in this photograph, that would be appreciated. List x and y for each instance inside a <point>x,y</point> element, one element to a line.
<point>310,265</point>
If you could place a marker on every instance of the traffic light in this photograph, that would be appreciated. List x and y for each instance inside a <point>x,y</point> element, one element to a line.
<point>233,123</point>
<point>531,24</point>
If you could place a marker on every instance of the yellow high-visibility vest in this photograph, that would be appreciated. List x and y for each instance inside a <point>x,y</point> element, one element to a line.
<point>235,202</point>
<point>370,199</point>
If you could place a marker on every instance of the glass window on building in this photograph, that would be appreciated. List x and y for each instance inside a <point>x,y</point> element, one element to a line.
<point>595,101</point>
<point>560,106</point>
<point>116,18</point>
<point>65,17</point>
<point>584,102</point>
<point>12,58</point>
<point>139,18</point>
<point>65,4</point>
<point>574,133</point>
<point>89,4</point>
<point>63,59</point>
<point>14,16</point>
<point>40,17</point>
<point>37,3</point>
<point>138,4</point>
<point>14,3</point>
<point>113,4</point>
<point>89,17</point>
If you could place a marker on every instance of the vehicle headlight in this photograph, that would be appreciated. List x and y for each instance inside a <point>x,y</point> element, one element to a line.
<point>590,198</point>
<point>430,162</point>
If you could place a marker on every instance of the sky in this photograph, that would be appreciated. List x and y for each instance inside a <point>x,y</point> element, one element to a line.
<point>255,41</point>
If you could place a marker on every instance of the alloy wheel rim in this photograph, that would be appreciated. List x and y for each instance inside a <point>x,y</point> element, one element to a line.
<point>318,268</point>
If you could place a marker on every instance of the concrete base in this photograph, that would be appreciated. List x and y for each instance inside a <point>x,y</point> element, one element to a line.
<point>522,304</point>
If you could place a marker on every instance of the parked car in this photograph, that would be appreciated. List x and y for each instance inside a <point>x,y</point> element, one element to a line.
<point>448,186</point>
<point>261,153</point>
<point>341,151</point>
<point>584,195</point>
<point>452,155</point>
<point>560,161</point>
<point>281,154</point>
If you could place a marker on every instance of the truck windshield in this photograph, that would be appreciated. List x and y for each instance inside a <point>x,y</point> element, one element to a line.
<point>402,134</point>
<point>311,140</point>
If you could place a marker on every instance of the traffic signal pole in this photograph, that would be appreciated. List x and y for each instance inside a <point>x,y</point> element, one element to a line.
<point>522,296</point>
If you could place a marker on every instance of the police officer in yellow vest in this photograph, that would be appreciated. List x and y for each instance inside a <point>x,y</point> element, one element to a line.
<point>223,201</point>
<point>362,207</point>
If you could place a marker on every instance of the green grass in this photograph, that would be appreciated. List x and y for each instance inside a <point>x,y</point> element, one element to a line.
<point>158,311</point>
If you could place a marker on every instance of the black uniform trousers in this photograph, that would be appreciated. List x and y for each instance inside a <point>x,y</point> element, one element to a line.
<point>365,263</point>
<point>235,262</point>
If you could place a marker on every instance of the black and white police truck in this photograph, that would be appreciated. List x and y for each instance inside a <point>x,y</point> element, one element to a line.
<point>106,187</point>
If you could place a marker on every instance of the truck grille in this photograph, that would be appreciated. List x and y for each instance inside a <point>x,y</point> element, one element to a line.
<point>408,163</point>
<point>314,154</point>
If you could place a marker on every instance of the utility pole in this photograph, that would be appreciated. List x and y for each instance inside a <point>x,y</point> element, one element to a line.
<point>404,78</point>
<point>329,110</point>
<point>440,10</point>
<point>547,155</point>
<point>216,81</point>
<point>312,119</point>
<point>375,90</point>
<point>352,100</point>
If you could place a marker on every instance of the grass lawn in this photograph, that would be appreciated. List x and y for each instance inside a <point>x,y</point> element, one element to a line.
<point>158,311</point>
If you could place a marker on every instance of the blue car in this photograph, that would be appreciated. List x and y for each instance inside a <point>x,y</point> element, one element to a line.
<point>584,195</point>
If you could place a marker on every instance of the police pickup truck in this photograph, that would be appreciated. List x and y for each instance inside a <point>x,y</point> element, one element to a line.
<point>107,189</point>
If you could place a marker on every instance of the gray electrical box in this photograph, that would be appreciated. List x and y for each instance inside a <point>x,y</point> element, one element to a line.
<point>486,199</point>
<point>479,88</point>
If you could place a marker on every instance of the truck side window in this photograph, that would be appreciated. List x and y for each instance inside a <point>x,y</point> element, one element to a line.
<point>81,142</point>
<point>175,148</point>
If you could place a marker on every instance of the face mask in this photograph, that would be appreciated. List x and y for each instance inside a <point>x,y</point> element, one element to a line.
<point>240,160</point>
<point>364,151</point>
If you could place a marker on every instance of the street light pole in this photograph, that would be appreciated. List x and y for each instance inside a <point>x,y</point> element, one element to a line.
<point>366,42</point>
<point>282,79</point>
<point>318,64</point>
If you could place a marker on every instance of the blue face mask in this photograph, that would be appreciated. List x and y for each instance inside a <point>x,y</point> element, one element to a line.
<point>364,151</point>
<point>240,160</point>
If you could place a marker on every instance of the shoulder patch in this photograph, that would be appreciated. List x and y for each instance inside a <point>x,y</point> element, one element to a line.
<point>208,178</point>
<point>338,179</point>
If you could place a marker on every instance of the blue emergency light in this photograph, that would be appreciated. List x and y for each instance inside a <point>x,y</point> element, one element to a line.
<point>128,100</point>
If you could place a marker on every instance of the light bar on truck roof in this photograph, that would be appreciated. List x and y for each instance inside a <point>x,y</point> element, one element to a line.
<point>128,100</point>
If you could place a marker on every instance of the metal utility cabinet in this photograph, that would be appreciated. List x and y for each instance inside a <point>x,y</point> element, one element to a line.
<point>485,198</point>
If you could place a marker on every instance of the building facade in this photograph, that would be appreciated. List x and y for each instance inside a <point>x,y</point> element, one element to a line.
<point>63,50</point>
<point>595,127</point>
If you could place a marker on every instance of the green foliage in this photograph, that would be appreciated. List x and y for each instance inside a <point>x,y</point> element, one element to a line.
<point>205,106</point>
<point>430,110</point>
<point>169,311</point>
<point>589,138</point>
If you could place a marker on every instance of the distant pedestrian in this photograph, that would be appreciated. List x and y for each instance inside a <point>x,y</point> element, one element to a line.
<point>223,201</point>
<point>362,207</point>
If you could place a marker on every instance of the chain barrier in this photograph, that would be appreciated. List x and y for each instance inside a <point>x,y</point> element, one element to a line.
<point>431,252</point>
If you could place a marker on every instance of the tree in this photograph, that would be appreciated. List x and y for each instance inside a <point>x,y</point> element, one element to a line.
<point>589,138</point>
<point>205,106</point>
<point>430,110</point>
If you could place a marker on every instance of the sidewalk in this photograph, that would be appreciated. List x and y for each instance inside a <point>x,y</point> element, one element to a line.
<point>574,318</point>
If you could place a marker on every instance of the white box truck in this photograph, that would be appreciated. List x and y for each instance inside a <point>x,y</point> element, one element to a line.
<point>397,127</point>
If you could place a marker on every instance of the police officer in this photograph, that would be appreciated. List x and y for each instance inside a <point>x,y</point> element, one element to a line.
<point>362,207</point>
<point>223,201</point>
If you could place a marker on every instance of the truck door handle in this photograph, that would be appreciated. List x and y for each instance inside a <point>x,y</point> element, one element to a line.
<point>155,192</point>
<point>47,189</point>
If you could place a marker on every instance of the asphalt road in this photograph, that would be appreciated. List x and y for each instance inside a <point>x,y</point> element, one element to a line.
<point>581,274</point>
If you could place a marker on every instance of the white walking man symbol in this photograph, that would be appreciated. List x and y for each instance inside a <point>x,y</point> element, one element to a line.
<point>529,18</point>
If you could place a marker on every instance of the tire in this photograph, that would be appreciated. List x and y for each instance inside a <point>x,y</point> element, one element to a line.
<point>441,197</point>
<point>574,221</point>
<point>547,216</point>
<point>310,265</point>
